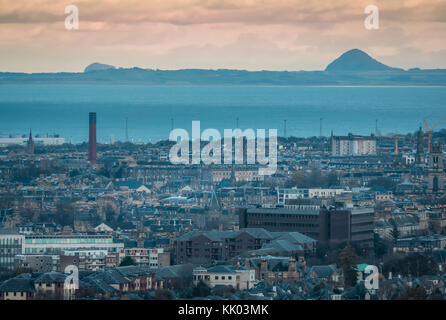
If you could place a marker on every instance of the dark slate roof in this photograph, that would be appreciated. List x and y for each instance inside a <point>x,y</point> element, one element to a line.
<point>166,273</point>
<point>322,271</point>
<point>109,276</point>
<point>223,269</point>
<point>294,237</point>
<point>98,284</point>
<point>51,277</point>
<point>133,271</point>
<point>17,285</point>
<point>281,246</point>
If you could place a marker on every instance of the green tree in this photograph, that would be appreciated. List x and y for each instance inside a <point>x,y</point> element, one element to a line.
<point>380,246</point>
<point>64,213</point>
<point>395,233</point>
<point>384,182</point>
<point>201,290</point>
<point>127,261</point>
<point>415,264</point>
<point>348,263</point>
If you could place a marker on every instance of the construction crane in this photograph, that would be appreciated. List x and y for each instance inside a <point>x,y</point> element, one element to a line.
<point>429,131</point>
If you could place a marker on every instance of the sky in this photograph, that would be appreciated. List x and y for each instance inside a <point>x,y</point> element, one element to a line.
<point>236,34</point>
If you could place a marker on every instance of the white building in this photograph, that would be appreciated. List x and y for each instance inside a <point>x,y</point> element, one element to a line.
<point>56,243</point>
<point>240,278</point>
<point>38,140</point>
<point>353,145</point>
<point>284,194</point>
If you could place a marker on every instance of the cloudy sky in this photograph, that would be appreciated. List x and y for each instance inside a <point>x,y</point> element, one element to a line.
<point>240,34</point>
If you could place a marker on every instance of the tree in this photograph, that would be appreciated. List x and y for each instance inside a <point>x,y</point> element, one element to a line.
<point>384,182</point>
<point>347,261</point>
<point>201,290</point>
<point>185,278</point>
<point>395,233</point>
<point>104,172</point>
<point>380,246</point>
<point>110,213</point>
<point>65,213</point>
<point>415,264</point>
<point>413,293</point>
<point>127,261</point>
<point>436,295</point>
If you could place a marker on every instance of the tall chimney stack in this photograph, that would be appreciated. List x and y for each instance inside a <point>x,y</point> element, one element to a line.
<point>92,156</point>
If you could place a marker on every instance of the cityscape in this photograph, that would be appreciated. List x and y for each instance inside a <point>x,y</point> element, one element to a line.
<point>222,159</point>
<point>343,217</point>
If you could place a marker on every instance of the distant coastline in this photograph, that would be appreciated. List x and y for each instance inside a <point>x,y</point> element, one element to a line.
<point>234,77</point>
<point>352,68</point>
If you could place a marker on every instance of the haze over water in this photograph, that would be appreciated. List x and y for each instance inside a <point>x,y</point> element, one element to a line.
<point>63,109</point>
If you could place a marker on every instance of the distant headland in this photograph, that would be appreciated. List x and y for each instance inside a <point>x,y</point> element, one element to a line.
<point>354,67</point>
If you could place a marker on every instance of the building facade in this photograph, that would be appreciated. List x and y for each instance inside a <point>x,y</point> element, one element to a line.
<point>328,225</point>
<point>11,244</point>
<point>353,145</point>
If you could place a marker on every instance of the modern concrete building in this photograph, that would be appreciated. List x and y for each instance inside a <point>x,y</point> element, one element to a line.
<point>353,145</point>
<point>11,244</point>
<point>48,244</point>
<point>284,194</point>
<point>88,259</point>
<point>154,258</point>
<point>37,262</point>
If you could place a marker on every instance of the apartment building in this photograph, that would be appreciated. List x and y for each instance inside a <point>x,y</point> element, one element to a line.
<point>353,145</point>
<point>11,244</point>
<point>153,258</point>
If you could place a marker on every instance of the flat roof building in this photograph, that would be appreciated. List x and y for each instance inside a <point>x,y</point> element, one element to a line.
<point>56,243</point>
<point>353,145</point>
<point>325,224</point>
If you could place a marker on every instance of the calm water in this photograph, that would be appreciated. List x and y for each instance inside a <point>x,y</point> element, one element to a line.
<point>63,109</point>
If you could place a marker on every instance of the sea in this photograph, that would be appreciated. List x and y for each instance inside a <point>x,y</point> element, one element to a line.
<point>147,113</point>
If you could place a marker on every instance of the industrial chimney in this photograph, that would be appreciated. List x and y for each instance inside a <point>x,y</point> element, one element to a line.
<point>92,139</point>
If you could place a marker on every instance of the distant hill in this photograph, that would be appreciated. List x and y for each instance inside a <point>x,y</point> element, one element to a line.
<point>356,60</point>
<point>98,67</point>
<point>354,67</point>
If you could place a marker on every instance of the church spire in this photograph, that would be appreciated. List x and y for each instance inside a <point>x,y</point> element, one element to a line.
<point>30,143</point>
